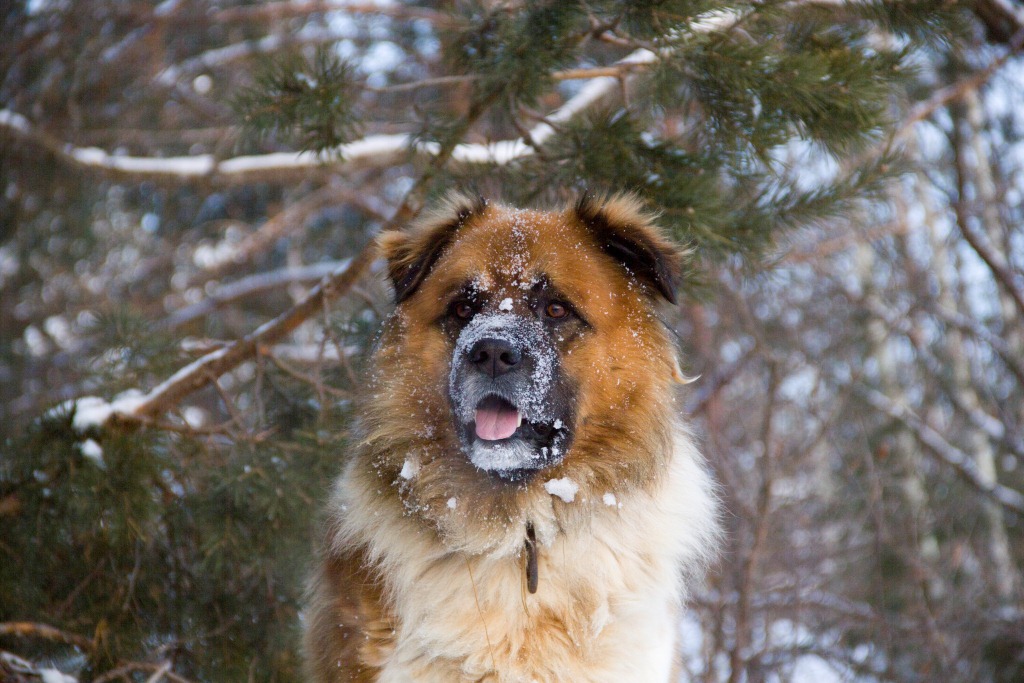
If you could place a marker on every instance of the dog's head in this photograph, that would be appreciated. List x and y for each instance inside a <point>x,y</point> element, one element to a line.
<point>522,337</point>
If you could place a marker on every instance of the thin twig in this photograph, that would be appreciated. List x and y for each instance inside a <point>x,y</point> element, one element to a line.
<point>737,660</point>
<point>159,673</point>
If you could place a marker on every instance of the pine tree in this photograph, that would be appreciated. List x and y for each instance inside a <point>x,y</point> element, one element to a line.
<point>190,189</point>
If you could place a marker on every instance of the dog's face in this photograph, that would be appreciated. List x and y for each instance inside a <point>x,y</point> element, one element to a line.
<point>524,341</point>
<point>512,403</point>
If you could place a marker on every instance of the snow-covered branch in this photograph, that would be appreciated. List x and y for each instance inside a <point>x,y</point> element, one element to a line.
<point>374,151</point>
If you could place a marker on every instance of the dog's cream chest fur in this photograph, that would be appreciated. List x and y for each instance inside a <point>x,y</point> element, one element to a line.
<point>609,591</point>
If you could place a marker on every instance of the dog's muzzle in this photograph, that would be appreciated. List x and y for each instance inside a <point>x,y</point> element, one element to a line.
<point>504,392</point>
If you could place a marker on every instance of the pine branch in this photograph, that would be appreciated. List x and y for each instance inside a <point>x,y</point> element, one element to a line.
<point>310,104</point>
<point>373,151</point>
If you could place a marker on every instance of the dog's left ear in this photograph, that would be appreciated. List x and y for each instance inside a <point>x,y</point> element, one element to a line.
<point>628,234</point>
<point>412,253</point>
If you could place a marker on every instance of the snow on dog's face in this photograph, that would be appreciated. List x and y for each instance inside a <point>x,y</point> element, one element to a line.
<point>510,399</point>
<point>523,341</point>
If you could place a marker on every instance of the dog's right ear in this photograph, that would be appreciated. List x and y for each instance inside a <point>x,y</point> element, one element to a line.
<point>413,252</point>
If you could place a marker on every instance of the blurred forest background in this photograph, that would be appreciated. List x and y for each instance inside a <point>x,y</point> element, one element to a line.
<point>187,192</point>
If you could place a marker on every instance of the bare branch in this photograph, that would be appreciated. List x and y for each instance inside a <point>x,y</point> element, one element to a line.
<point>980,332</point>
<point>955,91</point>
<point>276,11</point>
<point>250,286</point>
<point>748,574</point>
<point>962,463</point>
<point>1001,17</point>
<point>214,259</point>
<point>159,670</point>
<point>999,267</point>
<point>26,629</point>
<point>223,56</point>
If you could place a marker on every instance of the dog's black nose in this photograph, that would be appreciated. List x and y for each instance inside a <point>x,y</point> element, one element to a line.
<point>494,357</point>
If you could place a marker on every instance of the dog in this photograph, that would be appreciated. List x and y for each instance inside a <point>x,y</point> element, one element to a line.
<point>524,503</point>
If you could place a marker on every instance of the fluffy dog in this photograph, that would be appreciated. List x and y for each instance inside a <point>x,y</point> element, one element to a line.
<point>524,504</point>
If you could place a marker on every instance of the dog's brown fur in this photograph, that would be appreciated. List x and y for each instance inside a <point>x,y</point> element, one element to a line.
<point>423,574</point>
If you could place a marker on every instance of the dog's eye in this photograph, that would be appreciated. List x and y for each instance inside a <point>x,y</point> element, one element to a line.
<point>463,310</point>
<point>556,309</point>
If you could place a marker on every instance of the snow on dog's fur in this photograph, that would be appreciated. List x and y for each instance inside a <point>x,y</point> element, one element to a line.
<point>525,503</point>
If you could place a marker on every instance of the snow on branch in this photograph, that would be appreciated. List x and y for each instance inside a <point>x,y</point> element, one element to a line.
<point>374,151</point>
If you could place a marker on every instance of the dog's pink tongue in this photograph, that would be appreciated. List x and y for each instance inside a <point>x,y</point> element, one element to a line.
<point>497,422</point>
